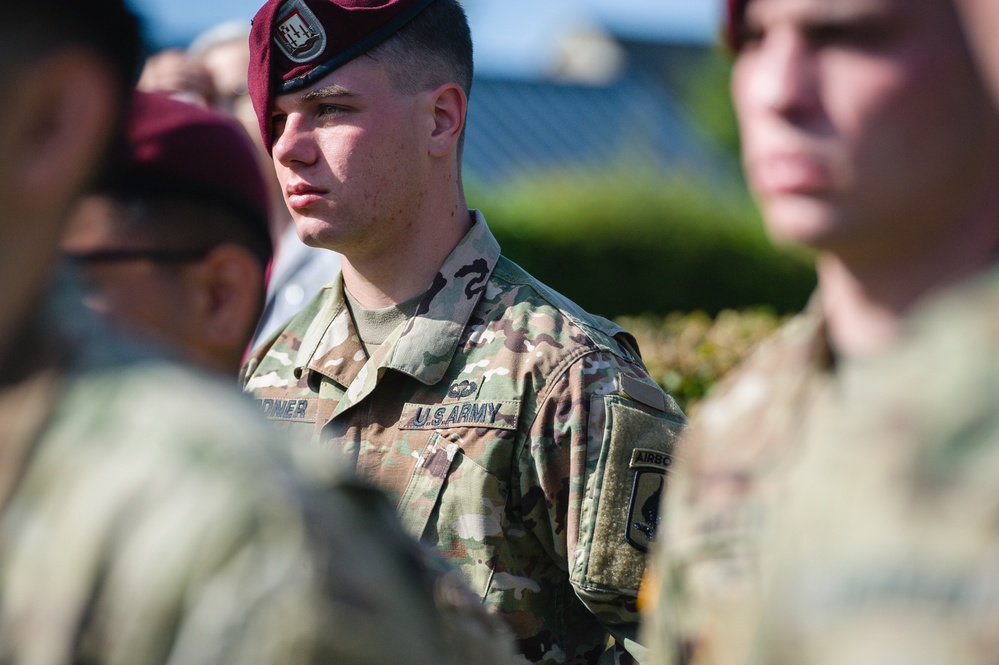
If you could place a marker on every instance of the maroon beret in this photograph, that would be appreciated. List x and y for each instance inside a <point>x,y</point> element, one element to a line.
<point>180,150</point>
<point>294,43</point>
<point>733,23</point>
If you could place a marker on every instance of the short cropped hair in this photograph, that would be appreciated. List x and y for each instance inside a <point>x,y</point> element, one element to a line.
<point>433,49</point>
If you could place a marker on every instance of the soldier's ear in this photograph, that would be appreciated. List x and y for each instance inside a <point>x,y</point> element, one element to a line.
<point>450,106</point>
<point>226,292</point>
<point>66,105</point>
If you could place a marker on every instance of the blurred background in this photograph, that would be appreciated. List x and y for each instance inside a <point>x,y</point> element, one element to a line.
<point>603,150</point>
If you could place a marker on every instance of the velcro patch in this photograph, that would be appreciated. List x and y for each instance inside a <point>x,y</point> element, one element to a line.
<point>641,392</point>
<point>631,479</point>
<point>491,414</point>
<point>295,410</point>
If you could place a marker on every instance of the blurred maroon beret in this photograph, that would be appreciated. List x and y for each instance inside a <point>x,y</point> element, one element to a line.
<point>733,23</point>
<point>294,43</point>
<point>180,150</point>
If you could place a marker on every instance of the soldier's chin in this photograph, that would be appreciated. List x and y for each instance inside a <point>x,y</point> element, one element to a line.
<point>799,220</point>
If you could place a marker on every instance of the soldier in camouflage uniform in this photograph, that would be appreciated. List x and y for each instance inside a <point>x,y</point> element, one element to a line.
<point>887,552</point>
<point>146,513</point>
<point>884,550</point>
<point>867,136</point>
<point>517,434</point>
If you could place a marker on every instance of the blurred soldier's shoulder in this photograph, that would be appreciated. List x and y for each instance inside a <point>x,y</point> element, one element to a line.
<point>154,513</point>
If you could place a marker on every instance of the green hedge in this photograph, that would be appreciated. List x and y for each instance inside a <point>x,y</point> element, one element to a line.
<point>688,353</point>
<point>624,243</point>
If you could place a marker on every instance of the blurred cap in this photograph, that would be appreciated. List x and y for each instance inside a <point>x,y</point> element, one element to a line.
<point>733,23</point>
<point>181,150</point>
<point>294,43</point>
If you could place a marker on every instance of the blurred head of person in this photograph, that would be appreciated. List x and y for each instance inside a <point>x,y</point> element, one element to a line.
<point>64,88</point>
<point>173,243</point>
<point>224,52</point>
<point>172,71</point>
<point>866,132</point>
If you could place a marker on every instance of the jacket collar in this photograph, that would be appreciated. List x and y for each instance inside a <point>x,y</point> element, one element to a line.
<point>424,346</point>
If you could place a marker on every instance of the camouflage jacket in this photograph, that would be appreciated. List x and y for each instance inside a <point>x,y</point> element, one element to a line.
<point>704,582</point>
<point>517,434</point>
<point>148,517</point>
<point>887,548</point>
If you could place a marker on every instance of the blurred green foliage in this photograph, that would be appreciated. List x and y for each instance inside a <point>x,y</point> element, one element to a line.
<point>703,90</point>
<point>683,264</point>
<point>686,353</point>
<point>630,241</point>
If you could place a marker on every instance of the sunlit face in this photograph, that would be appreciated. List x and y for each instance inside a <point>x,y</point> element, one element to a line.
<point>350,153</point>
<point>981,20</point>
<point>863,124</point>
<point>125,278</point>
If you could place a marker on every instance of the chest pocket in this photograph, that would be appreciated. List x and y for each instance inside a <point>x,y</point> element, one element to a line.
<point>455,504</point>
<point>424,489</point>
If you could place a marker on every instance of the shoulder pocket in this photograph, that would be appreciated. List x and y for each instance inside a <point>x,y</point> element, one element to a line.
<point>636,449</point>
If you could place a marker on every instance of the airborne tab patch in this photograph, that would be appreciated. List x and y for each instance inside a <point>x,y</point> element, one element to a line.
<point>650,468</point>
<point>491,414</point>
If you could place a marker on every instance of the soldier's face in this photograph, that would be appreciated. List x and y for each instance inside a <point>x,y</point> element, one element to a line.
<point>981,21</point>
<point>351,156</point>
<point>863,124</point>
<point>138,292</point>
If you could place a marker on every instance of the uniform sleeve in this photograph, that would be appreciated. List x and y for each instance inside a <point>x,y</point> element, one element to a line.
<point>600,449</point>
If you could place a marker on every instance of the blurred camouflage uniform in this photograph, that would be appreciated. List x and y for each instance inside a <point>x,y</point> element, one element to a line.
<point>888,547</point>
<point>148,518</point>
<point>703,584</point>
<point>518,435</point>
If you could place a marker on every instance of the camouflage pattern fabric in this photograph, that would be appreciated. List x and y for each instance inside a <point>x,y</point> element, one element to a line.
<point>703,585</point>
<point>518,435</point>
<point>888,547</point>
<point>149,517</point>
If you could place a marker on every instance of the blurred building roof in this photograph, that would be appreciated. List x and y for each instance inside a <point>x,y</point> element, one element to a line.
<point>518,128</point>
<point>576,91</point>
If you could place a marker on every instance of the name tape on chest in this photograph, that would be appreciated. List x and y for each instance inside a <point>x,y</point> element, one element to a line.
<point>491,414</point>
<point>300,410</point>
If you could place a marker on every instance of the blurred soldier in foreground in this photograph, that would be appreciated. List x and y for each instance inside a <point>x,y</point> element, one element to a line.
<point>886,547</point>
<point>174,243</point>
<point>867,136</point>
<point>517,434</point>
<point>145,515</point>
